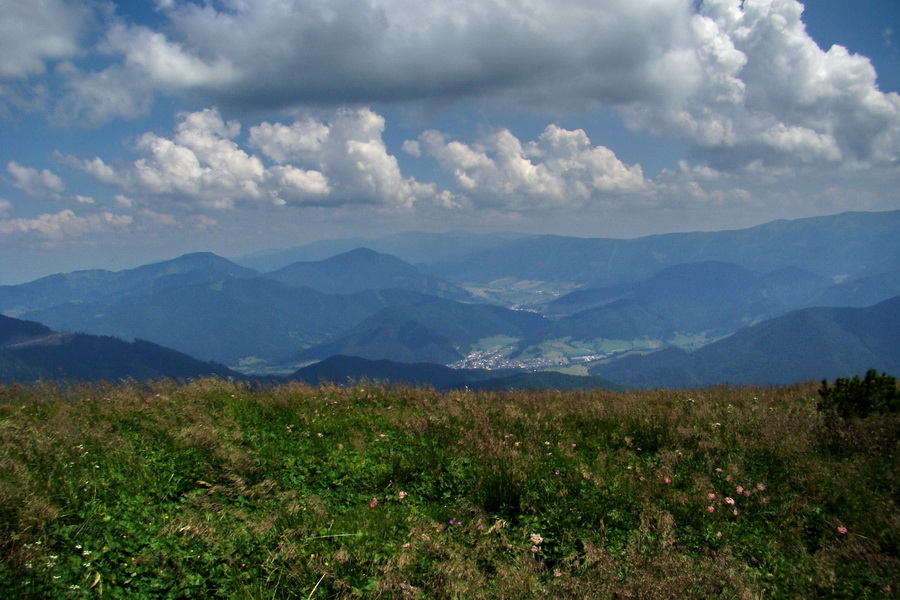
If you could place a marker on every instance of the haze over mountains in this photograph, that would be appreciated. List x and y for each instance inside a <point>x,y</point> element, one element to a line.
<point>680,309</point>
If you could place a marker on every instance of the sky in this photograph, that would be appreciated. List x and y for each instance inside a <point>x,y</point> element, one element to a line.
<point>138,131</point>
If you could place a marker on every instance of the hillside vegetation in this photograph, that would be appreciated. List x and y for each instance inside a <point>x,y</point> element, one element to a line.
<point>217,489</point>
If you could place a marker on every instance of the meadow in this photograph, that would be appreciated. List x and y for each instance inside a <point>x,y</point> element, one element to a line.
<point>220,489</point>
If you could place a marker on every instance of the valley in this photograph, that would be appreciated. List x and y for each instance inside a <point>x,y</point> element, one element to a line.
<point>644,312</point>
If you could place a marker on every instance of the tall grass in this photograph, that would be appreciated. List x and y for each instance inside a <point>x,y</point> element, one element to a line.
<point>215,489</point>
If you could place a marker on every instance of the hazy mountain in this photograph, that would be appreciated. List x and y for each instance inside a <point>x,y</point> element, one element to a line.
<point>703,300</point>
<point>341,369</point>
<point>106,286</point>
<point>432,330</point>
<point>31,351</point>
<point>849,245</point>
<point>813,343</point>
<point>710,282</point>
<point>413,247</point>
<point>860,292</point>
<point>363,269</point>
<point>227,320</point>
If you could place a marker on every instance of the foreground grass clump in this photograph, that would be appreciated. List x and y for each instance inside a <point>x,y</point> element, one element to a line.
<point>213,489</point>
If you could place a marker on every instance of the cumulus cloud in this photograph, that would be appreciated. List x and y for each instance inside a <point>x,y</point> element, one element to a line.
<point>770,94</point>
<point>63,225</point>
<point>338,52</point>
<point>339,162</point>
<point>38,31</point>
<point>5,207</point>
<point>41,183</point>
<point>559,169</point>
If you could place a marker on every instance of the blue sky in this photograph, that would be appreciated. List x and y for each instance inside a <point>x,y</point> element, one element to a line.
<point>138,131</point>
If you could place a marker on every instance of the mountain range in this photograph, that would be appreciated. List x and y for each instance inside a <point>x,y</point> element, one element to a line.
<point>659,310</point>
<point>30,351</point>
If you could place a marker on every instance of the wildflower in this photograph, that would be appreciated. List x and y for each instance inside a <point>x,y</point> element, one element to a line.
<point>728,478</point>
<point>557,573</point>
<point>760,487</point>
<point>534,549</point>
<point>667,480</point>
<point>536,538</point>
<point>401,495</point>
<point>373,503</point>
<point>711,496</point>
<point>340,446</point>
<point>842,530</point>
<point>740,489</point>
<point>729,501</point>
<point>711,508</point>
<point>735,512</point>
<point>719,534</point>
<point>718,470</point>
<point>406,545</point>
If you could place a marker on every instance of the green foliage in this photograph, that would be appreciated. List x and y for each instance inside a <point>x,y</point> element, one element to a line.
<point>219,489</point>
<point>875,394</point>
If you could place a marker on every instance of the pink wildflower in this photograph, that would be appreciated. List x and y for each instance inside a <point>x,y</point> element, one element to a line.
<point>536,538</point>
<point>534,549</point>
<point>740,489</point>
<point>729,501</point>
<point>401,495</point>
<point>719,534</point>
<point>728,478</point>
<point>711,496</point>
<point>667,480</point>
<point>373,503</point>
<point>760,487</point>
<point>718,470</point>
<point>842,530</point>
<point>711,508</point>
<point>735,512</point>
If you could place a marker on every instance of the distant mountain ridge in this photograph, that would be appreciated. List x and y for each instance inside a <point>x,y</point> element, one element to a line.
<point>849,245</point>
<point>433,330</point>
<point>107,286</point>
<point>363,269</point>
<point>813,343</point>
<point>493,301</point>
<point>30,351</point>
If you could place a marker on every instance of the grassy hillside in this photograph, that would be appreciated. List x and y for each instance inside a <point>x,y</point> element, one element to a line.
<point>214,489</point>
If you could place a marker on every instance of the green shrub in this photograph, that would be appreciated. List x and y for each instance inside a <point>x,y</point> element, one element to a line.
<point>876,394</point>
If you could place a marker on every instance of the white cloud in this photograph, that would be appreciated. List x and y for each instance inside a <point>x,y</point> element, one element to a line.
<point>562,169</point>
<point>344,161</point>
<point>37,31</point>
<point>6,207</point>
<point>64,225</point>
<point>770,94</point>
<point>42,183</point>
